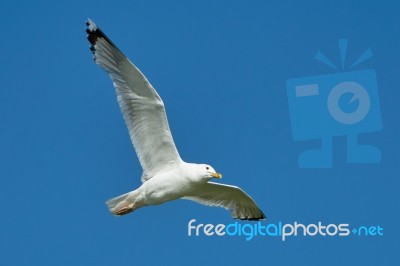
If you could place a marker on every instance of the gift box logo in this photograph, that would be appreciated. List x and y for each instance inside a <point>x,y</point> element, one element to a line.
<point>340,104</point>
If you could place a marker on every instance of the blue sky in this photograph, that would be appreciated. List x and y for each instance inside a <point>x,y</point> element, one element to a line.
<point>221,68</point>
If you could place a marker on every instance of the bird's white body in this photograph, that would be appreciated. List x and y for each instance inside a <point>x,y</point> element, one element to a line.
<point>165,175</point>
<point>171,185</point>
<point>177,182</point>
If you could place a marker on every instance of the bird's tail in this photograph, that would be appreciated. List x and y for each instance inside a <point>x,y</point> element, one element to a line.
<point>118,203</point>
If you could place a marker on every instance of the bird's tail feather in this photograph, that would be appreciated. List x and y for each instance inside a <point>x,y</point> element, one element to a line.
<point>112,203</point>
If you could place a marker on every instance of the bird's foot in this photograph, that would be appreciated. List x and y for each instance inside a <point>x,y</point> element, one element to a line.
<point>125,210</point>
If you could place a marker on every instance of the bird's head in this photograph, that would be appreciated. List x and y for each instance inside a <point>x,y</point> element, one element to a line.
<point>207,172</point>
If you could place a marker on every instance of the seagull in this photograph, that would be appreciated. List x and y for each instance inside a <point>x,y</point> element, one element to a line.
<point>165,176</point>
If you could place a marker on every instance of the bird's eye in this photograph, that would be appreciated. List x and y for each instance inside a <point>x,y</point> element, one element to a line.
<point>207,168</point>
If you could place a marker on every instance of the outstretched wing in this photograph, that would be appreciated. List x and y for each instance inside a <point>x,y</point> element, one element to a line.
<point>141,106</point>
<point>232,198</point>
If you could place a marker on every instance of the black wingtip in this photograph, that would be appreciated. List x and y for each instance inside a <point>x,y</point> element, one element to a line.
<point>263,216</point>
<point>94,33</point>
<point>260,218</point>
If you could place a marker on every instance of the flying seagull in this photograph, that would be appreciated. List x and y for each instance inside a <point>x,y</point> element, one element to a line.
<point>165,175</point>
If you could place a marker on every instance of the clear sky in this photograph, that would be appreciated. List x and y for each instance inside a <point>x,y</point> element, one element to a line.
<point>221,68</point>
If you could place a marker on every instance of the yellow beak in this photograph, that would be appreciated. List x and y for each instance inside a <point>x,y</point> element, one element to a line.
<point>216,175</point>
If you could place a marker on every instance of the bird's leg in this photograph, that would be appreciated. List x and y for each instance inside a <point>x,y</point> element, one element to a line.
<point>125,210</point>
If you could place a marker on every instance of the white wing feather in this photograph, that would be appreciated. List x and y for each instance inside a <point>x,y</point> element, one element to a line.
<point>232,198</point>
<point>141,106</point>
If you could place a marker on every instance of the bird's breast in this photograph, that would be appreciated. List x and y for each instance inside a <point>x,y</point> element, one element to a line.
<point>160,189</point>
